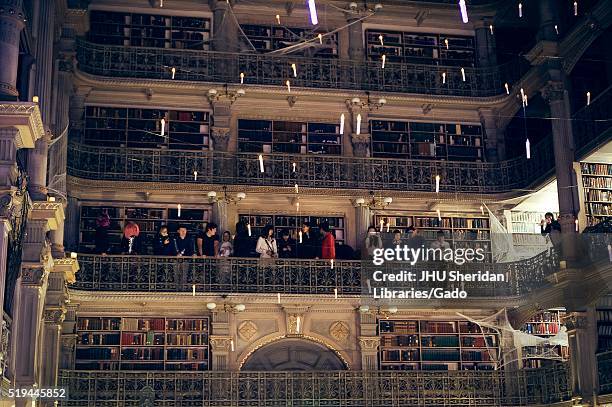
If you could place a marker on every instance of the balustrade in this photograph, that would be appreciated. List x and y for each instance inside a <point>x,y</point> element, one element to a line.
<point>373,388</point>
<point>604,364</point>
<point>263,69</point>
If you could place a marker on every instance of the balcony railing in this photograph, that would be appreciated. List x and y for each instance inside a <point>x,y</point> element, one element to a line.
<point>315,171</point>
<point>326,73</point>
<point>346,388</point>
<point>290,276</point>
<point>604,362</point>
<point>591,128</point>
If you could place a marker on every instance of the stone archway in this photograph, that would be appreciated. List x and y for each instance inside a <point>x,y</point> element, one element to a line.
<point>293,354</point>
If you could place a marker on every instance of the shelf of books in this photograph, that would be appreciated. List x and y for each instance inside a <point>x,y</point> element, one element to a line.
<point>272,37</point>
<point>293,223</point>
<point>545,324</point>
<point>420,48</point>
<point>436,345</point>
<point>141,128</point>
<point>148,219</point>
<point>604,330</point>
<point>149,30</point>
<point>446,141</point>
<point>275,136</point>
<point>460,231</point>
<point>597,186</point>
<point>124,343</point>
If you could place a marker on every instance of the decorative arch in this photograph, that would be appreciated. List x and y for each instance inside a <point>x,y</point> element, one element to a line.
<point>292,352</point>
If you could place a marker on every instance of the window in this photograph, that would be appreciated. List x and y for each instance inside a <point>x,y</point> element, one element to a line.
<point>148,30</point>
<point>273,136</point>
<point>141,128</point>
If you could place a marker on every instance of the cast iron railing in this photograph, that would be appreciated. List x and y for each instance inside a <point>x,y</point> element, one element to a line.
<point>319,388</point>
<point>604,364</point>
<point>291,276</point>
<point>591,128</point>
<point>315,171</point>
<point>264,69</point>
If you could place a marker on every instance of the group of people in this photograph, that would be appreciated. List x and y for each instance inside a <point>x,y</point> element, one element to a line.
<point>307,244</point>
<point>414,240</point>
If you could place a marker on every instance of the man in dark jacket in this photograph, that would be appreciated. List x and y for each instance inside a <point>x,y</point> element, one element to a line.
<point>183,243</point>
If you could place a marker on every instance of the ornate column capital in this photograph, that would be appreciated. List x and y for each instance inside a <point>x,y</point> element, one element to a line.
<point>220,343</point>
<point>54,315</point>
<point>26,118</point>
<point>220,137</point>
<point>33,274</point>
<point>553,91</point>
<point>369,343</point>
<point>575,321</point>
<point>68,266</point>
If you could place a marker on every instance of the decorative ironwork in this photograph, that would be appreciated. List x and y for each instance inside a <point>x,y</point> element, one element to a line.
<point>315,171</point>
<point>295,276</point>
<point>354,388</point>
<point>262,69</point>
<point>590,129</point>
<point>604,364</point>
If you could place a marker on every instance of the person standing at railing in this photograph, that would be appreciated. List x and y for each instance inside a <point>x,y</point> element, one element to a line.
<point>328,244</point>
<point>549,224</point>
<point>227,248</point>
<point>101,238</point>
<point>266,244</point>
<point>372,242</point>
<point>307,244</point>
<point>183,243</point>
<point>163,245</point>
<point>208,241</point>
<point>130,243</point>
<point>286,245</point>
<point>242,242</point>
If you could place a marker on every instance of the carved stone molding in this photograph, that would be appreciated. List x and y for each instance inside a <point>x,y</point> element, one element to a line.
<point>247,330</point>
<point>33,274</point>
<point>220,343</point>
<point>369,343</point>
<point>68,343</point>
<point>553,91</point>
<point>220,137</point>
<point>68,266</point>
<point>575,321</point>
<point>54,315</point>
<point>340,331</point>
<point>26,117</point>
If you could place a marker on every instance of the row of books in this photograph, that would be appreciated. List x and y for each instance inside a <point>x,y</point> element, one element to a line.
<point>592,182</point>
<point>186,354</point>
<point>542,328</point>
<point>598,195</point>
<point>148,338</point>
<point>599,209</point>
<point>98,339</point>
<point>134,324</point>
<point>99,324</point>
<point>596,169</point>
<point>440,341</point>
<point>604,315</point>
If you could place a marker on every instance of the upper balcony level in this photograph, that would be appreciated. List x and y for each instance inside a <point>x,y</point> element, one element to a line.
<point>274,70</point>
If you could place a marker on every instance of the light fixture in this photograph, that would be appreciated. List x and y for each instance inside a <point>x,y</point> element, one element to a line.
<point>463,10</point>
<point>364,309</point>
<point>35,99</point>
<point>73,255</point>
<point>312,8</point>
<point>227,198</point>
<point>211,306</point>
<point>374,202</point>
<point>588,98</point>
<point>369,103</point>
<point>231,95</point>
<point>239,307</point>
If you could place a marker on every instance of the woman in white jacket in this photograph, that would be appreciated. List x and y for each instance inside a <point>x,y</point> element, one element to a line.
<point>266,245</point>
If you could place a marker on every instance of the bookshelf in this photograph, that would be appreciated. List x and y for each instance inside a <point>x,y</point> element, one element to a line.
<point>149,30</point>
<point>421,48</point>
<point>274,136</point>
<point>272,37</point>
<point>151,343</point>
<point>445,141</point>
<point>527,222</point>
<point>461,232</point>
<point>293,223</point>
<point>141,128</point>
<point>436,345</point>
<point>604,330</point>
<point>546,324</point>
<point>149,219</point>
<point>597,186</point>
